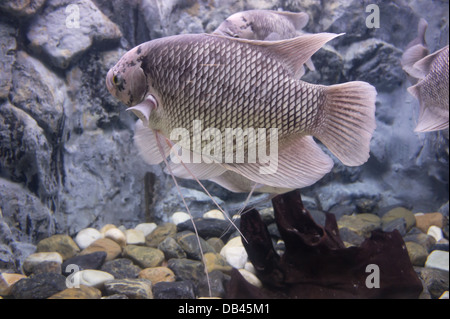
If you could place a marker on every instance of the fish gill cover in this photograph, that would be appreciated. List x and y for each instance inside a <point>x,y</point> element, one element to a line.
<point>69,154</point>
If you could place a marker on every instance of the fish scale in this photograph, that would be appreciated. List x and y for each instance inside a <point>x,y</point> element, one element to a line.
<point>259,79</point>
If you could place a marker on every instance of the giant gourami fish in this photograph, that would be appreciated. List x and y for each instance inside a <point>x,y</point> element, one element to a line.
<point>223,82</point>
<point>429,74</point>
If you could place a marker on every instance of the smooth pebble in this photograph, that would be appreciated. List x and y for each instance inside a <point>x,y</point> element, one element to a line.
<point>215,213</point>
<point>87,236</point>
<point>134,237</point>
<point>146,228</point>
<point>90,278</point>
<point>179,217</point>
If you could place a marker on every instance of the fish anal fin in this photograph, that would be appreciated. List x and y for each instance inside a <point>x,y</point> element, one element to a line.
<point>237,183</point>
<point>300,163</point>
<point>199,170</point>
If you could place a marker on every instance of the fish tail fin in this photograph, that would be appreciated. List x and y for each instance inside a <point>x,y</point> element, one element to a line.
<point>349,121</point>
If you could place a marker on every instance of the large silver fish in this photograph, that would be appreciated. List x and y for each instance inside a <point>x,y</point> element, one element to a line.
<point>223,83</point>
<point>429,73</point>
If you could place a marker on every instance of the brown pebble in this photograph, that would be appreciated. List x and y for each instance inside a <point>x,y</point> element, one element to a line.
<point>423,222</point>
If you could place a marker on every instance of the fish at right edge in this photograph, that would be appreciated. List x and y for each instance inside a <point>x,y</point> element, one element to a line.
<point>429,74</point>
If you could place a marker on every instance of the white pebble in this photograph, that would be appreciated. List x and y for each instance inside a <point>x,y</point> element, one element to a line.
<point>134,237</point>
<point>179,217</point>
<point>444,295</point>
<point>87,236</point>
<point>146,228</point>
<point>249,267</point>
<point>435,232</point>
<point>251,278</point>
<point>116,235</point>
<point>91,278</point>
<point>215,213</point>
<point>438,259</point>
<point>107,227</point>
<point>234,253</point>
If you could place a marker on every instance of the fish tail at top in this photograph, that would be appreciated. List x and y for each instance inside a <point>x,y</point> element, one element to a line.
<point>348,121</point>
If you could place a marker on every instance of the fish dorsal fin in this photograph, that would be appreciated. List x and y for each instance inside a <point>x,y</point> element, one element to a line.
<point>424,65</point>
<point>298,19</point>
<point>293,53</point>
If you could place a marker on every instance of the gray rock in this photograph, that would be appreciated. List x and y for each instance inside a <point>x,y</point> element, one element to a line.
<point>28,219</point>
<point>138,288</point>
<point>8,46</point>
<point>398,224</point>
<point>171,249</point>
<point>39,286</point>
<point>187,269</point>
<point>376,62</point>
<point>217,283</point>
<point>209,227</point>
<point>39,92</point>
<point>350,237</point>
<point>121,268</point>
<point>90,261</point>
<point>21,8</point>
<point>57,35</point>
<point>174,290</point>
<point>435,281</point>
<point>25,153</point>
<point>128,16</point>
<point>189,243</point>
<point>6,258</point>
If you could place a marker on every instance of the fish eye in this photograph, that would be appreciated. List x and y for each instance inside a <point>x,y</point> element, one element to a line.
<point>116,80</point>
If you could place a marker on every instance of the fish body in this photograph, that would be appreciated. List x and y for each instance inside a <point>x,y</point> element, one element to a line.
<point>236,83</point>
<point>429,74</point>
<point>266,25</point>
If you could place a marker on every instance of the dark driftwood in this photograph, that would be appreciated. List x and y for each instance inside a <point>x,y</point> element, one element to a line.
<point>316,263</point>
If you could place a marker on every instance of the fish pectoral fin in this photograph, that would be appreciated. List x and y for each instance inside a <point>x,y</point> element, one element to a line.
<point>145,140</point>
<point>348,121</point>
<point>300,162</point>
<point>143,109</point>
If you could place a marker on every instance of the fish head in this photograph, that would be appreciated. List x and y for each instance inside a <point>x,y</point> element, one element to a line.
<point>238,25</point>
<point>126,80</point>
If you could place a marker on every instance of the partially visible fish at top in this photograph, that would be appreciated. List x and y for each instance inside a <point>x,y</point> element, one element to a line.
<point>429,74</point>
<point>267,25</point>
<point>226,82</point>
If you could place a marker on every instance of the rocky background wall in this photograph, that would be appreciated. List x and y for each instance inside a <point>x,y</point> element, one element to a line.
<point>67,160</point>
